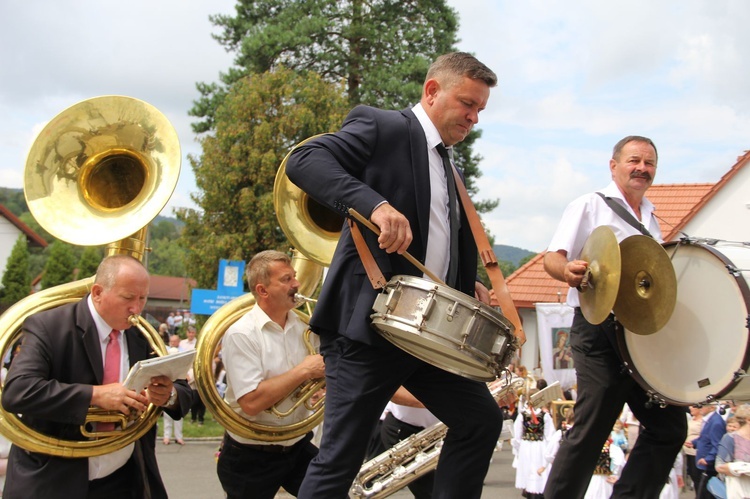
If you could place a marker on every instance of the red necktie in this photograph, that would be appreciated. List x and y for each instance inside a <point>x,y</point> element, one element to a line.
<point>111,369</point>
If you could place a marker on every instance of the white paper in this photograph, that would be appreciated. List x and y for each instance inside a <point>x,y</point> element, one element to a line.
<point>173,366</point>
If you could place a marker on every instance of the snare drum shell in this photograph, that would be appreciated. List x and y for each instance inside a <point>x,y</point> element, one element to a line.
<point>443,327</point>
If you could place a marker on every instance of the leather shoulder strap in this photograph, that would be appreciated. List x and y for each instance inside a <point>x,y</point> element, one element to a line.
<point>489,260</point>
<point>625,214</point>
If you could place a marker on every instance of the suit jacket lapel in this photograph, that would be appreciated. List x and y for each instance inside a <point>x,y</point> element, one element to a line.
<point>90,336</point>
<point>421,171</point>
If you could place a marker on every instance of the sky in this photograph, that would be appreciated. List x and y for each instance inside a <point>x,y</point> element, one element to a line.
<point>574,77</point>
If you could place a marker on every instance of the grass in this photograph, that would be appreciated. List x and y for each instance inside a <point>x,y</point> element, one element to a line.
<point>210,428</point>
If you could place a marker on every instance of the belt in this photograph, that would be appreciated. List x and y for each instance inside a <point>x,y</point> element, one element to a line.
<point>270,448</point>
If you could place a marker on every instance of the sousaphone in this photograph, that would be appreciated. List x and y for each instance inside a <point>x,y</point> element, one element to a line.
<point>99,172</point>
<point>314,231</point>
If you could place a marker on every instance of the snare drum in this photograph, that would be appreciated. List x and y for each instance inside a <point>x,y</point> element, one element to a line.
<point>702,352</point>
<point>444,327</point>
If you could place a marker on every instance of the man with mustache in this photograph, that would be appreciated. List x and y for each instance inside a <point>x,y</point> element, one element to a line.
<point>603,385</point>
<point>265,360</point>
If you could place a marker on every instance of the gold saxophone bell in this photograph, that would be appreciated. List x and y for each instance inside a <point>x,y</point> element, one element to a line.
<point>98,172</point>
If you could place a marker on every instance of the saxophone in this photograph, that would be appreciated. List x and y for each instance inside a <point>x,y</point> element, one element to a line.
<point>416,455</point>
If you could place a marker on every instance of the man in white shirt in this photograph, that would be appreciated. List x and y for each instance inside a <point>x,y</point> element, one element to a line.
<point>266,359</point>
<point>602,382</point>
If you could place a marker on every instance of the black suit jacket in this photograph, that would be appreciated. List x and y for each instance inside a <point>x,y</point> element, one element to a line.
<point>376,156</point>
<point>50,384</point>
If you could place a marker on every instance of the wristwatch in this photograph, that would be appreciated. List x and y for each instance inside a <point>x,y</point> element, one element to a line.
<point>172,398</point>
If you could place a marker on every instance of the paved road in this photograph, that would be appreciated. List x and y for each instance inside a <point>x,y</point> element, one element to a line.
<point>189,472</point>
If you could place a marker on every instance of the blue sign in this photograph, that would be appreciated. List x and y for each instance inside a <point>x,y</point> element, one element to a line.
<point>208,301</point>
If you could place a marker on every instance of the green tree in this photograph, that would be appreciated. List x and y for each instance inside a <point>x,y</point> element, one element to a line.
<point>60,265</point>
<point>91,256</point>
<point>260,120</point>
<point>16,281</point>
<point>380,49</point>
<point>167,257</point>
<point>163,229</point>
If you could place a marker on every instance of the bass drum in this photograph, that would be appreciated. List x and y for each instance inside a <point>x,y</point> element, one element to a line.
<point>702,353</point>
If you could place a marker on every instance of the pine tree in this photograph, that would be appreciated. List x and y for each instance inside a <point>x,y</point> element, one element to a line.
<point>60,265</point>
<point>16,281</point>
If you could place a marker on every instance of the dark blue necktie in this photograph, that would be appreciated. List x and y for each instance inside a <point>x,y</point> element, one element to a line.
<point>452,277</point>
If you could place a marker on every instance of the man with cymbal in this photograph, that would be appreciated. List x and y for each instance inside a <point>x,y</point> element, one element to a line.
<point>603,385</point>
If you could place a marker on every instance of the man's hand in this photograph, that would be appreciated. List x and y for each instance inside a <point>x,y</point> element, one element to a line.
<point>395,232</point>
<point>159,390</point>
<point>574,272</point>
<point>313,366</point>
<point>115,397</point>
<point>481,293</point>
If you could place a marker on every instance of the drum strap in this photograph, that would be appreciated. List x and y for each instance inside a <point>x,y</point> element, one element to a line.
<point>625,214</point>
<point>489,260</point>
<point>374,273</point>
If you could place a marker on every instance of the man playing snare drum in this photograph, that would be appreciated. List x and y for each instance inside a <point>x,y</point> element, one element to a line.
<point>603,385</point>
<point>388,166</point>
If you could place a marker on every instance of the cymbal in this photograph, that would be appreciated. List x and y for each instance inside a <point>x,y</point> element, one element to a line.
<point>648,286</point>
<point>598,292</point>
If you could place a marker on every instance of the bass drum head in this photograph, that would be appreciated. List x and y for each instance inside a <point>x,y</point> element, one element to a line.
<point>694,358</point>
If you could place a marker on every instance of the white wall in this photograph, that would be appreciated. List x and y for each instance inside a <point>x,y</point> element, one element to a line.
<point>8,236</point>
<point>727,215</point>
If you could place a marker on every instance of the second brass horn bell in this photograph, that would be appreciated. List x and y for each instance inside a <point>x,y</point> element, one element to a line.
<point>307,224</point>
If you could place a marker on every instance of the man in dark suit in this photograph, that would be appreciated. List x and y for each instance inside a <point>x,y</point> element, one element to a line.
<point>706,446</point>
<point>388,166</point>
<point>59,374</point>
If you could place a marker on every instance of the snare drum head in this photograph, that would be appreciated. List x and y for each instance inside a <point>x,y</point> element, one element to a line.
<point>697,353</point>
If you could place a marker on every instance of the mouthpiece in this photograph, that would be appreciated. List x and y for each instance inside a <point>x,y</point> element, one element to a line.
<point>299,299</point>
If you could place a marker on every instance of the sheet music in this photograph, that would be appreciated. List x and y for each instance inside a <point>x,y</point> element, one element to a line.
<point>173,366</point>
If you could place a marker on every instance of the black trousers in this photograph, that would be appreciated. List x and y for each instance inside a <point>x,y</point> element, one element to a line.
<point>248,472</point>
<point>392,431</point>
<point>603,388</point>
<point>360,379</point>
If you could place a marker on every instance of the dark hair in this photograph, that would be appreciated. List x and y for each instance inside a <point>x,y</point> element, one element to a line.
<point>448,67</point>
<point>632,138</point>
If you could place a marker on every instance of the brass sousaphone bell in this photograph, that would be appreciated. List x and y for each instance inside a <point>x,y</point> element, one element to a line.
<point>98,172</point>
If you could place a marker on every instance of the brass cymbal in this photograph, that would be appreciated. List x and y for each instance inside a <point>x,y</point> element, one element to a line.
<point>598,292</point>
<point>648,286</point>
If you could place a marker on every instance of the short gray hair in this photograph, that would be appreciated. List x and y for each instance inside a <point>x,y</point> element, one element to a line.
<point>257,270</point>
<point>632,138</point>
<point>449,67</point>
<point>106,273</point>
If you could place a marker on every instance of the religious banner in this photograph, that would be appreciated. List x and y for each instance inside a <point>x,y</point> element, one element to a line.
<point>553,329</point>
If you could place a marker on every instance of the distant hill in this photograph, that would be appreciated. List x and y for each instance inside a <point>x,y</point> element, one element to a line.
<point>511,253</point>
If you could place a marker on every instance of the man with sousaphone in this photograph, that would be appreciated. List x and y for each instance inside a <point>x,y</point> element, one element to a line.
<point>265,359</point>
<point>393,168</point>
<point>76,356</point>
<point>618,212</point>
